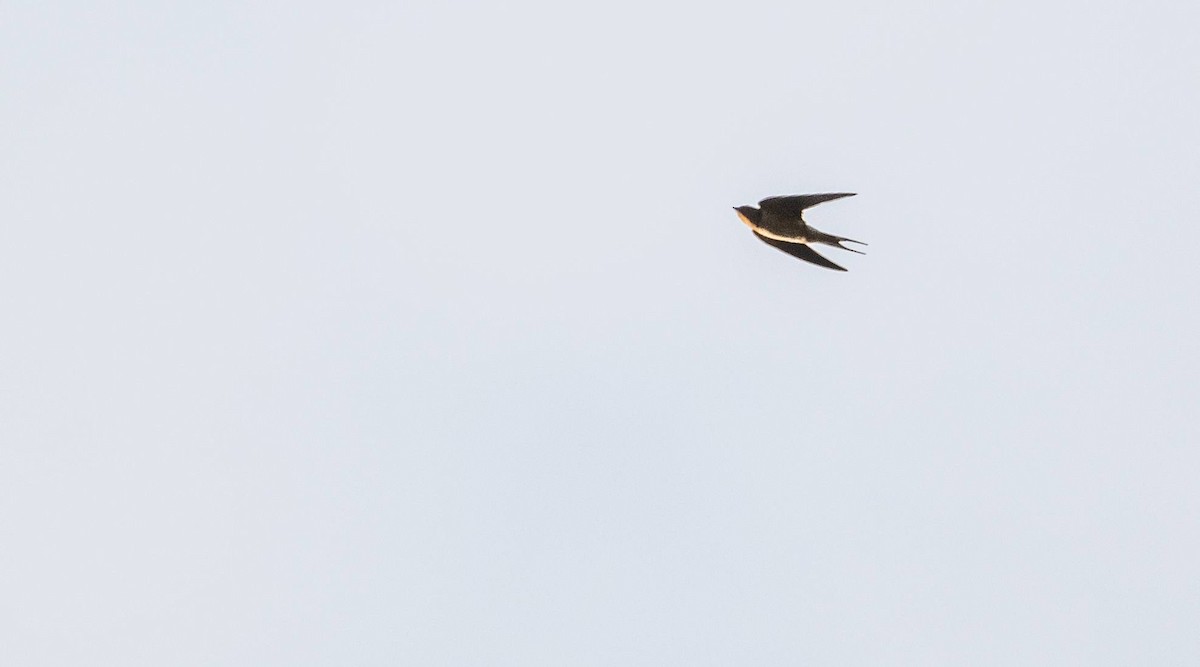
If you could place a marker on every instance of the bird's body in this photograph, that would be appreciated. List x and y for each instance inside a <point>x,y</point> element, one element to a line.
<point>779,222</point>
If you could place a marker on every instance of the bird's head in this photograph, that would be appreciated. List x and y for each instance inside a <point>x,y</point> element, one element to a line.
<point>749,214</point>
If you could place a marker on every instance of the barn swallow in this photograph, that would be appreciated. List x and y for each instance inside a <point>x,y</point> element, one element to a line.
<point>779,221</point>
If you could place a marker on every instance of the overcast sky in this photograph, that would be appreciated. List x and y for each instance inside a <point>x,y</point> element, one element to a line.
<point>423,333</point>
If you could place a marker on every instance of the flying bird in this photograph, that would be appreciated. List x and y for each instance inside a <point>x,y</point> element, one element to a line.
<point>779,222</point>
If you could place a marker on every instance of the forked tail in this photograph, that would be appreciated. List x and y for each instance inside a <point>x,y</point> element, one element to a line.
<point>837,241</point>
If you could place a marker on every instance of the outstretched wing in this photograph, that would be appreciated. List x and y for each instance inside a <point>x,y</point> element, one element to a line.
<point>792,205</point>
<point>801,250</point>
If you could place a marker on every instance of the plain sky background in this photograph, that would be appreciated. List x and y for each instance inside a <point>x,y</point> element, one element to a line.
<point>422,333</point>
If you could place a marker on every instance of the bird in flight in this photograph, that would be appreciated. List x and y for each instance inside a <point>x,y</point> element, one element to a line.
<point>779,222</point>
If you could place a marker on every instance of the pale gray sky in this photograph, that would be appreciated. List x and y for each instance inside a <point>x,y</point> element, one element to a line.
<point>423,333</point>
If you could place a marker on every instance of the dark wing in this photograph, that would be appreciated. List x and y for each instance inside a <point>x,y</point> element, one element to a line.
<point>800,250</point>
<point>794,204</point>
